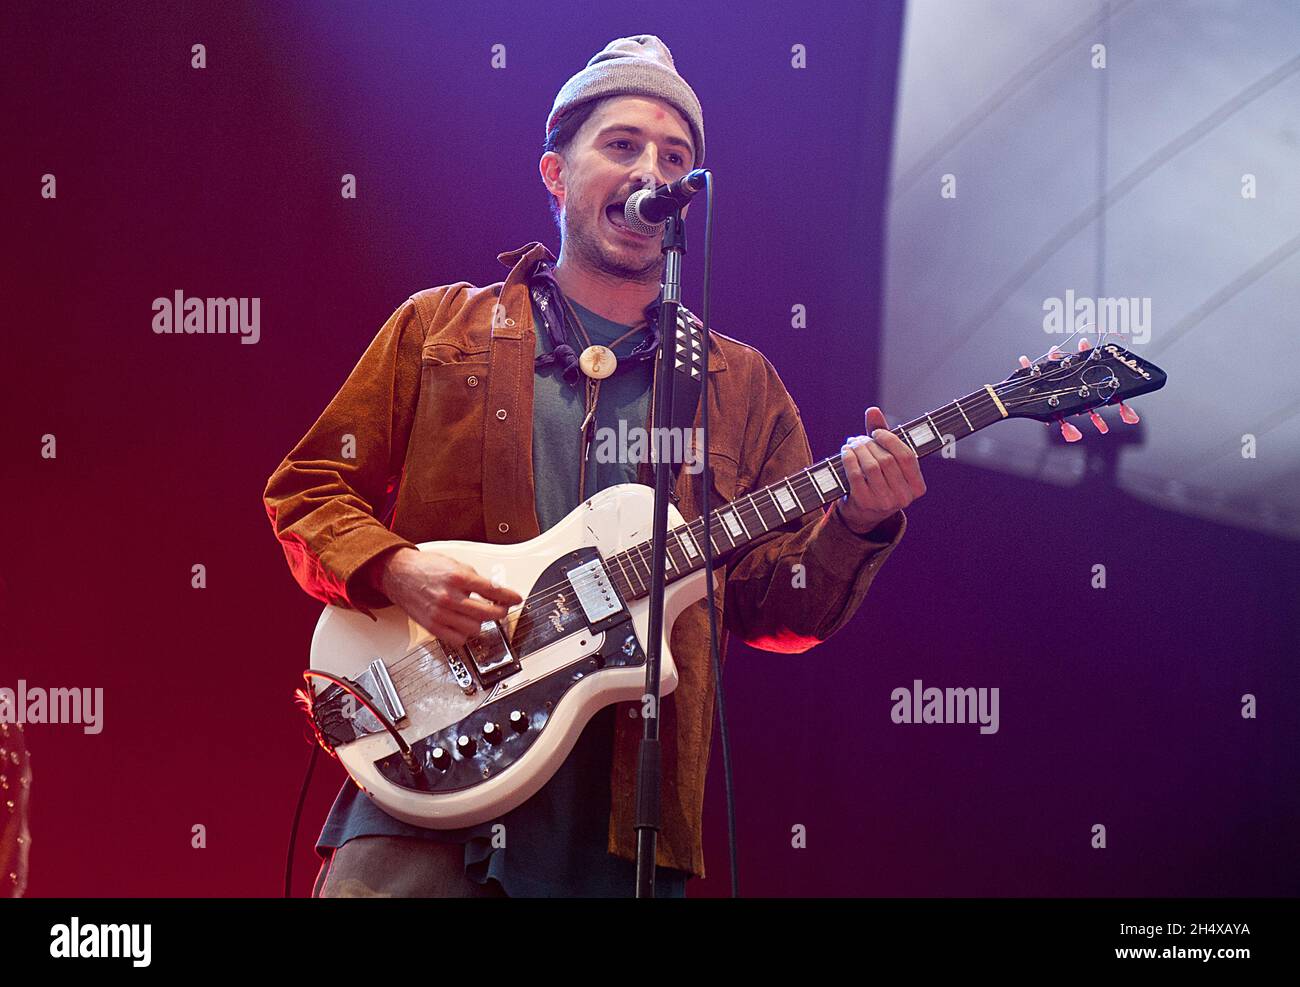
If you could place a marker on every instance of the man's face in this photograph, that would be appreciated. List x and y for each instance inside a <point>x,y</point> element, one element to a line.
<point>629,142</point>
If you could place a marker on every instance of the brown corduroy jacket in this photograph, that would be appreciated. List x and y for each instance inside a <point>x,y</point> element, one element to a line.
<point>441,409</point>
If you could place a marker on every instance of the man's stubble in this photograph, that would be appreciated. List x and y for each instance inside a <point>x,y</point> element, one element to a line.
<point>590,252</point>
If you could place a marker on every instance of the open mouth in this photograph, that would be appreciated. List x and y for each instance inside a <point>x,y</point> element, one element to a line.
<point>614,214</point>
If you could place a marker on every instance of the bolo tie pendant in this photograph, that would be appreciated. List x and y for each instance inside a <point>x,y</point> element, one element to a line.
<point>598,362</point>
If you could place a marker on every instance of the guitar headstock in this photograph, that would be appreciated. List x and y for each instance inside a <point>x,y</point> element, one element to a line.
<point>1061,385</point>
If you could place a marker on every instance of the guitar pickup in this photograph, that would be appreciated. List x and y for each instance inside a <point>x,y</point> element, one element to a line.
<point>490,655</point>
<point>596,594</point>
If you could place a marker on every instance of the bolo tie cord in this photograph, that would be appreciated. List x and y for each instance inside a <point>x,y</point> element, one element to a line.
<point>591,398</point>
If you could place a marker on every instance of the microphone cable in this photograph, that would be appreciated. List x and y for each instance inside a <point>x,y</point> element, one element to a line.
<point>728,778</point>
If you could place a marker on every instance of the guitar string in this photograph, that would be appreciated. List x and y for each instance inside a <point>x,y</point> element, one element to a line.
<point>949,418</point>
<point>524,627</point>
<point>418,672</point>
<point>406,676</point>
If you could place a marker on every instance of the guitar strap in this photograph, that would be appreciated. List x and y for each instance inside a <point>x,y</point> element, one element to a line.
<point>688,361</point>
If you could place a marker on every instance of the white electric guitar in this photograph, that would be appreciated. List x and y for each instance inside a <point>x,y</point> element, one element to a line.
<point>445,737</point>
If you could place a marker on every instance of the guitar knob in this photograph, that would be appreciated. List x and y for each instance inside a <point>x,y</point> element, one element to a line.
<point>440,759</point>
<point>518,721</point>
<point>465,746</point>
<point>1128,414</point>
<point>1100,422</point>
<point>1070,433</point>
<point>491,733</point>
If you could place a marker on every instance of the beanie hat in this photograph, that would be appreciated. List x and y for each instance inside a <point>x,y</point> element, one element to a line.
<point>640,65</point>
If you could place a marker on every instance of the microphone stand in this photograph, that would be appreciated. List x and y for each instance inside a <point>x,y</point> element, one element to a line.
<point>649,768</point>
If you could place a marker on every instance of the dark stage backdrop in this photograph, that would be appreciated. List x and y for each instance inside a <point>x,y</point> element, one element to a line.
<point>1119,709</point>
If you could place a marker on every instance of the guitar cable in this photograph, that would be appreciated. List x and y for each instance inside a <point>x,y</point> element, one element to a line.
<point>306,699</point>
<point>297,817</point>
<point>728,779</point>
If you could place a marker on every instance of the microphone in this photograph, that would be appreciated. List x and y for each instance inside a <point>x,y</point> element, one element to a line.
<point>646,210</point>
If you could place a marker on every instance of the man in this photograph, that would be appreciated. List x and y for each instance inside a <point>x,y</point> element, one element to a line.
<point>476,399</point>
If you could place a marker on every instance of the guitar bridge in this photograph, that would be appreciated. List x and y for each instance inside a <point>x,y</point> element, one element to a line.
<point>460,673</point>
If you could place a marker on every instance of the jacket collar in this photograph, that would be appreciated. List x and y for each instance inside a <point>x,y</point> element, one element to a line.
<point>521,262</point>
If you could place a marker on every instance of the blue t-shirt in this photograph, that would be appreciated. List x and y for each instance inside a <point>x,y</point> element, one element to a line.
<point>555,843</point>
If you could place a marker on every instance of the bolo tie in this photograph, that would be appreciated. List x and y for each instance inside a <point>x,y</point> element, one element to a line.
<point>595,363</point>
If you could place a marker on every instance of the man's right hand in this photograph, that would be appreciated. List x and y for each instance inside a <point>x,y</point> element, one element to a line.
<point>434,590</point>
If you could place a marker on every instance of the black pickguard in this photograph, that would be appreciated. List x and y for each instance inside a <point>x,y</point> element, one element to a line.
<point>549,620</point>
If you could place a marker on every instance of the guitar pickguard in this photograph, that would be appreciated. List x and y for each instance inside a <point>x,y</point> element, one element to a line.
<point>573,598</point>
<point>462,766</point>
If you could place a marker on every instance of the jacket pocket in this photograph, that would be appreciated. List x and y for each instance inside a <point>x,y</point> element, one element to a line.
<point>444,460</point>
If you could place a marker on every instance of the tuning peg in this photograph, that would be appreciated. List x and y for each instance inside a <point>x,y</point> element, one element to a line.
<point>1128,414</point>
<point>1084,344</point>
<point>1024,361</point>
<point>1055,353</point>
<point>1100,422</point>
<point>1069,432</point>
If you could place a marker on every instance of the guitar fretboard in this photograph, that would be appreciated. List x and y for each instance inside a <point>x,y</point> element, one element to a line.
<point>740,521</point>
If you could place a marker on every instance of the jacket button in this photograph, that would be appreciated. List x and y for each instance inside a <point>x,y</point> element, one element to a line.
<point>471,380</point>
<point>501,413</point>
<point>503,527</point>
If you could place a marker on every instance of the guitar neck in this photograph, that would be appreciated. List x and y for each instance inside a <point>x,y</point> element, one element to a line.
<point>740,521</point>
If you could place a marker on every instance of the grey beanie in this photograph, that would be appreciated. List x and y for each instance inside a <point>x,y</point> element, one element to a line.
<point>640,65</point>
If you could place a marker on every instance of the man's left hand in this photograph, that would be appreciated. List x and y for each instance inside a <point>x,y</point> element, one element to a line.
<point>884,475</point>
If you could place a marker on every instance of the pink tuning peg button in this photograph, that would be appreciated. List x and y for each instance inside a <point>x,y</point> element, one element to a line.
<point>1070,433</point>
<point>1084,345</point>
<point>1024,361</point>
<point>1128,414</point>
<point>1100,422</point>
<point>1055,353</point>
